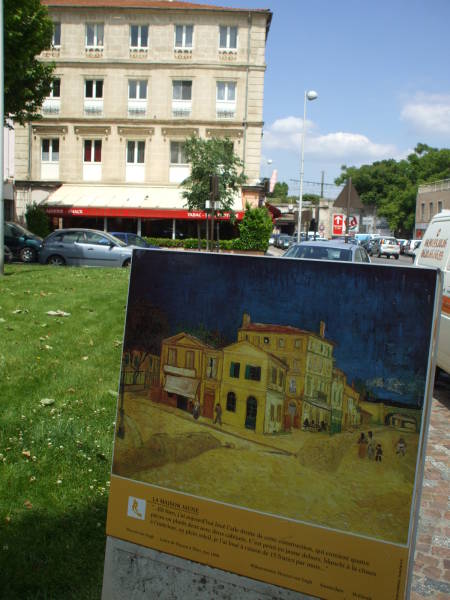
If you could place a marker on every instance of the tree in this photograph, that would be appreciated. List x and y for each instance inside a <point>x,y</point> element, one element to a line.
<point>28,31</point>
<point>280,191</point>
<point>37,220</point>
<point>255,229</point>
<point>212,157</point>
<point>391,186</point>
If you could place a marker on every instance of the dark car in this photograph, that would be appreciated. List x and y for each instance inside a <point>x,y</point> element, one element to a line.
<point>284,241</point>
<point>23,244</point>
<point>330,250</point>
<point>8,255</point>
<point>84,247</point>
<point>131,239</point>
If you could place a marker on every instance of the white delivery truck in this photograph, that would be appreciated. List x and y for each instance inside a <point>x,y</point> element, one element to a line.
<point>434,251</point>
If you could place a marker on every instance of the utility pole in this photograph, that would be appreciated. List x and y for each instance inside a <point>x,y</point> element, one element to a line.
<point>2,157</point>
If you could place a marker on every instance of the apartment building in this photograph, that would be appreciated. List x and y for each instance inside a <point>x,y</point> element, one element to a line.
<point>133,80</point>
<point>431,199</point>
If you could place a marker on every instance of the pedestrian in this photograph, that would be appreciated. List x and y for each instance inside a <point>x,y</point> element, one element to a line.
<point>371,446</point>
<point>401,447</point>
<point>378,453</point>
<point>218,411</point>
<point>362,442</point>
<point>196,409</point>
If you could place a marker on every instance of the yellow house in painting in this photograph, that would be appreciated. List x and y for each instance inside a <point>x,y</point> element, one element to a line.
<point>252,388</point>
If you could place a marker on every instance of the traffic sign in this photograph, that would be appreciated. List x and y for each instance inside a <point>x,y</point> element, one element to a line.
<point>338,224</point>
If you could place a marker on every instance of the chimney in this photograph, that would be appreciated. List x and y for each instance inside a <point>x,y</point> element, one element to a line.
<point>245,320</point>
<point>322,329</point>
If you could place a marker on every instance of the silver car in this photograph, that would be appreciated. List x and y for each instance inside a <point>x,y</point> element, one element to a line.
<point>329,250</point>
<point>84,247</point>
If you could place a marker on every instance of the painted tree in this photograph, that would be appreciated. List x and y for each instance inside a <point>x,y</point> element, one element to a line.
<point>28,31</point>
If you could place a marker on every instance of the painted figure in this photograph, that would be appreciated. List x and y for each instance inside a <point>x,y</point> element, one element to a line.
<point>378,453</point>
<point>371,446</point>
<point>196,409</point>
<point>401,447</point>
<point>362,442</point>
<point>218,411</point>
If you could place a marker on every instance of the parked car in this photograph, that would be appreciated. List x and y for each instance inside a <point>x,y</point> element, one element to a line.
<point>23,244</point>
<point>410,246</point>
<point>402,243</point>
<point>284,241</point>
<point>386,246</point>
<point>329,250</point>
<point>131,239</point>
<point>84,247</point>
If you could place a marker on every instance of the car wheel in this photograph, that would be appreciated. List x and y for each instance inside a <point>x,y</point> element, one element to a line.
<point>127,263</point>
<point>27,255</point>
<point>56,260</point>
<point>396,256</point>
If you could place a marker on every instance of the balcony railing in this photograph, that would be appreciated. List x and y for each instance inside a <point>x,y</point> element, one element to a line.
<point>137,108</point>
<point>51,106</point>
<point>93,106</point>
<point>225,110</point>
<point>181,108</point>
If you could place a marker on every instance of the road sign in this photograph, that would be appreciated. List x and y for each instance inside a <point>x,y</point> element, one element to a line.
<point>338,224</point>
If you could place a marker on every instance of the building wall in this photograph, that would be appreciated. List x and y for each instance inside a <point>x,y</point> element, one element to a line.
<point>115,64</point>
<point>431,199</point>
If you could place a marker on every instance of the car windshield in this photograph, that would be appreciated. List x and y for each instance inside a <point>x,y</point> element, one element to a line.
<point>135,240</point>
<point>319,252</point>
<point>116,240</point>
<point>21,230</point>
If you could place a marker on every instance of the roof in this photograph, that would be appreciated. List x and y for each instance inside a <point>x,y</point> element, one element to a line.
<point>284,329</point>
<point>156,4</point>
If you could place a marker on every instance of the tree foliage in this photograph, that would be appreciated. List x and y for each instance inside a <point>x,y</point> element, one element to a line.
<point>28,31</point>
<point>391,186</point>
<point>214,156</point>
<point>255,229</point>
<point>37,220</point>
<point>280,191</point>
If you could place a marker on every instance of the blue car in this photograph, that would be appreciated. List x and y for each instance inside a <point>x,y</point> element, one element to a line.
<point>131,239</point>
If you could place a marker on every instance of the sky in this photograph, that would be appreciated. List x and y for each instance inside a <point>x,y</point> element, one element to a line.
<point>381,71</point>
<point>363,316</point>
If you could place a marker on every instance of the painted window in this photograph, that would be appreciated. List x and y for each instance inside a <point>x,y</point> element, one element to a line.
<point>296,365</point>
<point>211,367</point>
<point>279,413</point>
<point>253,373</point>
<point>292,386</point>
<point>280,342</point>
<point>189,363</point>
<point>266,340</point>
<point>231,401</point>
<point>138,36</point>
<point>274,375</point>
<point>272,412</point>
<point>172,357</point>
<point>235,368</point>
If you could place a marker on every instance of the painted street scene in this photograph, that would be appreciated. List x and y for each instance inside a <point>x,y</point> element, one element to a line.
<point>272,415</point>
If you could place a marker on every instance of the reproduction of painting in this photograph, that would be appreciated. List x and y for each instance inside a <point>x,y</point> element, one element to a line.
<point>272,416</point>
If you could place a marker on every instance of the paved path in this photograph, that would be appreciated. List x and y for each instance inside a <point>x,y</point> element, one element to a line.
<point>431,575</point>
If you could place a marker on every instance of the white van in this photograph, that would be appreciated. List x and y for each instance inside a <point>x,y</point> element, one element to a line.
<point>434,251</point>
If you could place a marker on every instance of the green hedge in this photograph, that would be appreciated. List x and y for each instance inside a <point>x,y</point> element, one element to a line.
<point>192,243</point>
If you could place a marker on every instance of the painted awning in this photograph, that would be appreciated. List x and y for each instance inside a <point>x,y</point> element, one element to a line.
<point>184,386</point>
<point>130,201</point>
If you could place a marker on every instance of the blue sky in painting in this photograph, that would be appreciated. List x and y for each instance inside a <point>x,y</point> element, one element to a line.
<point>378,316</point>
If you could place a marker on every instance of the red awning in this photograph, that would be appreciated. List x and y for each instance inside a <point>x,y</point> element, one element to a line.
<point>133,213</point>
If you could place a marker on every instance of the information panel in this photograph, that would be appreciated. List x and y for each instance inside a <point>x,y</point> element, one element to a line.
<point>272,415</point>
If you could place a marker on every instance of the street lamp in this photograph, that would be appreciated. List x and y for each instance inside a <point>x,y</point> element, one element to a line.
<point>309,95</point>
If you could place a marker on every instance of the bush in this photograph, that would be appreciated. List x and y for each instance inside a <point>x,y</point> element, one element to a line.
<point>254,229</point>
<point>37,220</point>
<point>164,242</point>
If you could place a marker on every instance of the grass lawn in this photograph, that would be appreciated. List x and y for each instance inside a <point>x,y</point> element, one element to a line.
<point>58,383</point>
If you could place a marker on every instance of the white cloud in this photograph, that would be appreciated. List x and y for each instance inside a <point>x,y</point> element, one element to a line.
<point>428,114</point>
<point>285,134</point>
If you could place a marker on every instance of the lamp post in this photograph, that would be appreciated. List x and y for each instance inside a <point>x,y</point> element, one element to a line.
<point>309,95</point>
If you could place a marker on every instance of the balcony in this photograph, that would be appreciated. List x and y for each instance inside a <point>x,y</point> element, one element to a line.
<point>94,51</point>
<point>137,107</point>
<point>93,106</point>
<point>137,52</point>
<point>225,110</point>
<point>51,106</point>
<point>181,109</point>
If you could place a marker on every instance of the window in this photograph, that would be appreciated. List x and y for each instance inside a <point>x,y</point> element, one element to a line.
<point>280,378</point>
<point>298,343</point>
<point>431,210</point>
<point>292,386</point>
<point>280,342</point>
<point>439,206</point>
<point>93,88</point>
<point>296,365</point>
<point>90,237</point>
<point>266,340</point>
<point>182,90</point>
<point>55,90</point>
<point>50,150</point>
<point>253,373</point>
<point>189,360</point>
<point>183,36</point>
<point>52,103</point>
<point>211,368</point>
<point>231,401</point>
<point>56,37</point>
<point>226,91</point>
<point>235,368</point>
<point>137,89</point>
<point>135,152</point>
<point>274,375</point>
<point>228,37</point>
<point>172,357</point>
<point>138,36</point>
<point>177,154</point>
<point>94,34</point>
<point>92,151</point>
<point>422,211</point>
<point>272,412</point>
<point>279,413</point>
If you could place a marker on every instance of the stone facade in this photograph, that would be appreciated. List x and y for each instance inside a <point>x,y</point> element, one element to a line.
<point>97,98</point>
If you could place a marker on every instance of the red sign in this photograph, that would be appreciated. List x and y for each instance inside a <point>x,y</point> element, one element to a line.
<point>338,224</point>
<point>133,213</point>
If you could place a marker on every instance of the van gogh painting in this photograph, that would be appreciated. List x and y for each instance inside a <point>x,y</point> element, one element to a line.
<point>289,387</point>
